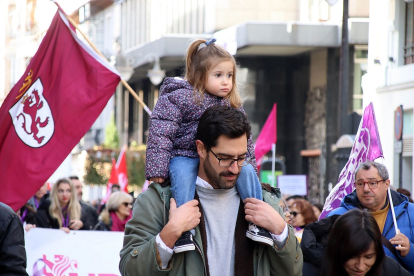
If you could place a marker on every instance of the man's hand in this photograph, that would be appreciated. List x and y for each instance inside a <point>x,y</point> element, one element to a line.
<point>183,218</point>
<point>402,240</point>
<point>262,214</point>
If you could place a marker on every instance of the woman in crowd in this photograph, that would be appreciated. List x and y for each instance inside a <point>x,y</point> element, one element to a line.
<point>63,210</point>
<point>355,248</point>
<point>302,214</point>
<point>116,213</point>
<point>317,209</point>
<point>29,210</point>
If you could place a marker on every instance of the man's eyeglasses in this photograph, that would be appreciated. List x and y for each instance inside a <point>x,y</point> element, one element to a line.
<point>127,204</point>
<point>294,213</point>
<point>373,184</point>
<point>227,162</point>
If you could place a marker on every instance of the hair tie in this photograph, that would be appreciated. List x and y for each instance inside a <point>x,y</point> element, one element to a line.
<point>202,45</point>
<point>211,41</point>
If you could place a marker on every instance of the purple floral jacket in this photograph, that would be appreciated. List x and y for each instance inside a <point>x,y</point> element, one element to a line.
<point>173,126</point>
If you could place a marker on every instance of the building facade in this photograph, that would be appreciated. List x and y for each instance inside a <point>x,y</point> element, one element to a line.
<point>288,53</point>
<point>389,84</point>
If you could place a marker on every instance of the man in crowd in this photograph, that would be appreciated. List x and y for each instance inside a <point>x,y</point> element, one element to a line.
<point>371,193</point>
<point>12,250</point>
<point>217,214</point>
<point>88,209</point>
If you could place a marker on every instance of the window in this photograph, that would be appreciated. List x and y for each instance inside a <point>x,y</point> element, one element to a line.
<point>360,69</point>
<point>409,34</point>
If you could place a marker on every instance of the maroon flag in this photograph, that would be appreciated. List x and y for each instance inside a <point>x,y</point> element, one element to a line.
<point>64,89</point>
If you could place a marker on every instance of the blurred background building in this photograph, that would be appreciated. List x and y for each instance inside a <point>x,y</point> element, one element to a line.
<point>288,52</point>
<point>390,83</point>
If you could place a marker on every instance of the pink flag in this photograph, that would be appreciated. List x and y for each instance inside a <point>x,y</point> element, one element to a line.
<point>64,89</point>
<point>267,137</point>
<point>367,146</point>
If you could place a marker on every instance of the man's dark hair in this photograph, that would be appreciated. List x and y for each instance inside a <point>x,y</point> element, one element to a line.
<point>115,186</point>
<point>352,235</point>
<point>222,120</point>
<point>72,177</point>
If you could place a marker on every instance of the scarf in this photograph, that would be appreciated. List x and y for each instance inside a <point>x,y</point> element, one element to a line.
<point>117,223</point>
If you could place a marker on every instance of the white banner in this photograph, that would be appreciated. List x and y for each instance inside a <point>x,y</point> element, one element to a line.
<point>80,253</point>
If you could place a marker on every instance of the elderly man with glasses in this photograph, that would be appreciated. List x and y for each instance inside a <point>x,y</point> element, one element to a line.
<point>217,213</point>
<point>371,193</point>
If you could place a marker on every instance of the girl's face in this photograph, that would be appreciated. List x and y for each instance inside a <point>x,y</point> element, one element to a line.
<point>360,265</point>
<point>64,194</point>
<point>297,218</point>
<point>220,79</point>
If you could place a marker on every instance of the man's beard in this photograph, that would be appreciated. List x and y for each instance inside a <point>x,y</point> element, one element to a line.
<point>218,180</point>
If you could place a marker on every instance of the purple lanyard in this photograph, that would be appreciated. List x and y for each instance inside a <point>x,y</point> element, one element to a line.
<point>36,202</point>
<point>25,210</point>
<point>65,221</point>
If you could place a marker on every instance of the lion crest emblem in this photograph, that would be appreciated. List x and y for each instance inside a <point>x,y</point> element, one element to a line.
<point>32,117</point>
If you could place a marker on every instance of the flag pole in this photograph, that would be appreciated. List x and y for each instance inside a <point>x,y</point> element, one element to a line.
<point>397,231</point>
<point>96,50</point>
<point>273,164</point>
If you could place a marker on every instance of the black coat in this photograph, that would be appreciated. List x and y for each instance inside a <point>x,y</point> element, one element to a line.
<point>45,220</point>
<point>101,226</point>
<point>91,214</point>
<point>30,217</point>
<point>12,250</point>
<point>314,242</point>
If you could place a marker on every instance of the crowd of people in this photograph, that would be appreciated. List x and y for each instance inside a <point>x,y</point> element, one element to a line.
<point>206,213</point>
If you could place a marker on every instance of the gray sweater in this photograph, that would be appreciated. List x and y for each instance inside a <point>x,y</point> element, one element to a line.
<point>220,208</point>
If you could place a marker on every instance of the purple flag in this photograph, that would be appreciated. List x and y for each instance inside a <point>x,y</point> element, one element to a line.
<point>367,146</point>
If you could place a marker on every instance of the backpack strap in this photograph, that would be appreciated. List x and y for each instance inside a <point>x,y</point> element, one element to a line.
<point>391,248</point>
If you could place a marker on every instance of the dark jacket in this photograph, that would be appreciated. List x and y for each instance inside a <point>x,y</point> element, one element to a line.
<point>173,126</point>
<point>403,210</point>
<point>45,220</point>
<point>91,214</point>
<point>102,226</point>
<point>30,209</point>
<point>12,250</point>
<point>314,242</point>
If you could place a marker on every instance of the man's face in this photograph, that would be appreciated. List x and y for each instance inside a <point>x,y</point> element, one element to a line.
<point>78,188</point>
<point>210,171</point>
<point>372,199</point>
<point>41,192</point>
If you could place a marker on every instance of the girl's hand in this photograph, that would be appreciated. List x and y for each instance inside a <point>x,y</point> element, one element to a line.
<point>75,224</point>
<point>157,179</point>
<point>65,229</point>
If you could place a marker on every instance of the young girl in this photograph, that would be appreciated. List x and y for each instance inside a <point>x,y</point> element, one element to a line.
<point>210,79</point>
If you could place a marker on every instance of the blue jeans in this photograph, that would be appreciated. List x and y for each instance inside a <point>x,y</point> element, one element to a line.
<point>183,175</point>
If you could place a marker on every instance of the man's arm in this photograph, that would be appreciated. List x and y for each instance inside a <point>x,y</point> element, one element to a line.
<point>285,258</point>
<point>12,250</point>
<point>140,255</point>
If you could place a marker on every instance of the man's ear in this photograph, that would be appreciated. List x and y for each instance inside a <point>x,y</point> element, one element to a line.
<point>387,183</point>
<point>200,149</point>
